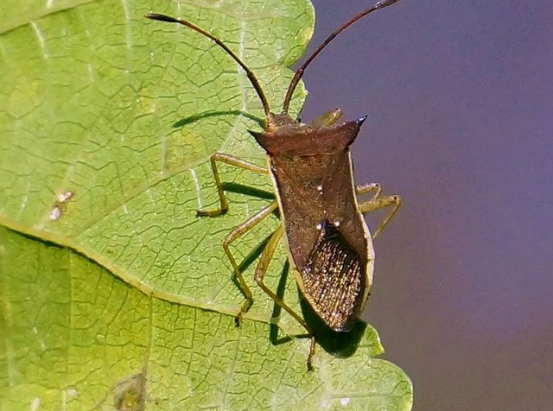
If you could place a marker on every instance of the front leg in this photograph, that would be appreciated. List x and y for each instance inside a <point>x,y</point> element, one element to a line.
<point>233,161</point>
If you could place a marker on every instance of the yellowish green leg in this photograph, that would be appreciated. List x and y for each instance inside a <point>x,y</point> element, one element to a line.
<point>233,161</point>
<point>367,188</point>
<point>246,226</point>
<point>327,119</point>
<point>260,272</point>
<point>377,203</point>
<point>236,233</point>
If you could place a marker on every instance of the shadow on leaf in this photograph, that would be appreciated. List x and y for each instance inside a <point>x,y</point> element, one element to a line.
<point>247,190</point>
<point>207,114</point>
<point>340,344</point>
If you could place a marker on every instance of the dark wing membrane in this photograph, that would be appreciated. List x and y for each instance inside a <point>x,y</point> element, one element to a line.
<point>334,279</point>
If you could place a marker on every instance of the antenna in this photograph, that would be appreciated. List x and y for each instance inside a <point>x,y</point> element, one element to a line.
<point>299,72</point>
<point>251,76</point>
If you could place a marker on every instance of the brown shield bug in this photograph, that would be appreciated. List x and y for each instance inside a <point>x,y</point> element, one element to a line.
<point>329,244</point>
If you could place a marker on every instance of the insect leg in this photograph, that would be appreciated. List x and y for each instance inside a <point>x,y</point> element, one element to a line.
<point>236,233</point>
<point>367,188</point>
<point>260,272</point>
<point>233,161</point>
<point>261,269</point>
<point>327,119</point>
<point>378,203</point>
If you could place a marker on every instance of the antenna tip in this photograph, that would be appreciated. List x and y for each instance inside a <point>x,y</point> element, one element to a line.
<point>160,17</point>
<point>384,3</point>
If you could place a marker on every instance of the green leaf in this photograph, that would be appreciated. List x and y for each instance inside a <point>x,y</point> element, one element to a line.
<point>117,293</point>
<point>79,339</point>
<point>90,108</point>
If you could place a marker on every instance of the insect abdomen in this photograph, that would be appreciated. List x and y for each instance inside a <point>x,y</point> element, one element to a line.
<point>334,279</point>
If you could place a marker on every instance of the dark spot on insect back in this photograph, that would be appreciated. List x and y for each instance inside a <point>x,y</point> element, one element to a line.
<point>333,278</point>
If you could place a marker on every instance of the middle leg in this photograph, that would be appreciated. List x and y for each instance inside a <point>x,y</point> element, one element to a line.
<point>236,233</point>
<point>377,202</point>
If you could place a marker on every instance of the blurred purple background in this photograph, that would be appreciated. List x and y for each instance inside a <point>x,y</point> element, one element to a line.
<point>460,102</point>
